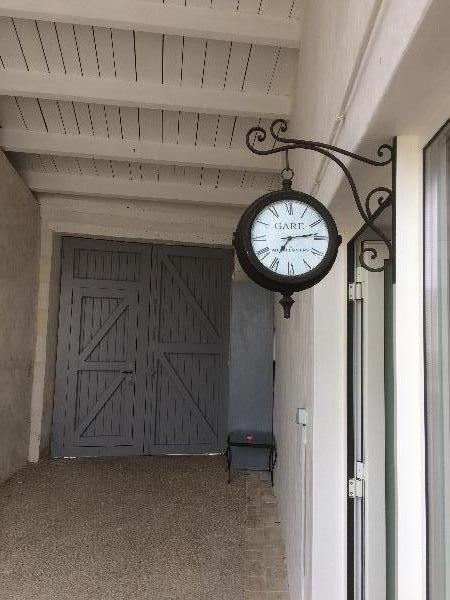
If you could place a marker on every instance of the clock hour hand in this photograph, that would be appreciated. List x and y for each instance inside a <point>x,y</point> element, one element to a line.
<point>288,239</point>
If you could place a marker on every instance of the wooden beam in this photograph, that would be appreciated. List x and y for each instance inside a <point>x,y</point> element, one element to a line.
<point>142,94</point>
<point>142,15</point>
<point>18,140</point>
<point>86,185</point>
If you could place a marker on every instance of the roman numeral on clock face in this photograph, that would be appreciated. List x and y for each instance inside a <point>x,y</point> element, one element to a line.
<point>274,264</point>
<point>289,208</point>
<point>259,238</point>
<point>274,211</point>
<point>291,269</point>
<point>320,237</point>
<point>317,252</point>
<point>263,253</point>
<point>315,223</point>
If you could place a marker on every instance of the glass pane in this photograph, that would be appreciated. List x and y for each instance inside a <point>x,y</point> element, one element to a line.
<point>437,170</point>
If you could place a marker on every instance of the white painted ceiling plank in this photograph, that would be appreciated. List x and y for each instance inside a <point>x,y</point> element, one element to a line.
<point>52,116</point>
<point>20,140</point>
<point>210,177</point>
<point>261,65</point>
<point>279,9</point>
<point>194,55</point>
<point>166,173</point>
<point>198,3</point>
<point>187,133</point>
<point>230,25</point>
<point>98,117</point>
<point>124,55</point>
<point>216,64</point>
<point>48,162</point>
<point>149,172</point>
<point>130,123</point>
<point>121,170</point>
<point>113,125</point>
<point>237,64</point>
<point>135,171</point>
<point>225,131</point>
<point>149,56</point>
<point>172,59</point>
<point>250,7</point>
<point>10,51</point>
<point>83,118</point>
<point>85,44</point>
<point>231,178</point>
<point>192,175</point>
<point>50,45</point>
<point>284,75</point>
<point>145,95</point>
<point>228,5</point>
<point>31,46</point>
<point>10,114</point>
<point>146,190</point>
<point>207,128</point>
<point>69,51</point>
<point>240,129</point>
<point>151,124</point>
<point>104,50</point>
<point>170,127</point>
<point>31,111</point>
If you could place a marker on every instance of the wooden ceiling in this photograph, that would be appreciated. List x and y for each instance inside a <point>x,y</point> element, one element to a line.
<point>143,99</point>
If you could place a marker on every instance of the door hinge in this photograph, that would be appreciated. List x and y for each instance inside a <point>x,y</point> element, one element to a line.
<point>355,291</point>
<point>356,484</point>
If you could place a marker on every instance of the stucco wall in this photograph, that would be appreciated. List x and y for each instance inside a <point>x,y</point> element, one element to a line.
<point>351,51</point>
<point>121,219</point>
<point>19,243</point>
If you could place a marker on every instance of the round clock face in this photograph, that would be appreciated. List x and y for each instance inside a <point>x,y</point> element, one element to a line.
<point>289,237</point>
<point>286,241</point>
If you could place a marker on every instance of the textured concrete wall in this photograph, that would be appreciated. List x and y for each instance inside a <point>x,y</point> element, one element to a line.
<point>121,219</point>
<point>19,259</point>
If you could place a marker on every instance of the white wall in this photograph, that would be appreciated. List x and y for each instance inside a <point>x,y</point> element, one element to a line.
<point>409,374</point>
<point>109,218</point>
<point>352,54</point>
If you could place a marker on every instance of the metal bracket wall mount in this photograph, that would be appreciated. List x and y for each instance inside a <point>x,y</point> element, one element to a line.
<point>381,196</point>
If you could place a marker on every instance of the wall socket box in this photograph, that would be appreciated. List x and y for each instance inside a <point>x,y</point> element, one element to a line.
<point>301,416</point>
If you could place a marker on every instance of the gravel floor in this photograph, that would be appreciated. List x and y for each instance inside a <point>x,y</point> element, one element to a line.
<point>123,529</point>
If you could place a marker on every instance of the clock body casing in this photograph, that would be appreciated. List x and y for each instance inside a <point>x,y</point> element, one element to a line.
<point>253,267</point>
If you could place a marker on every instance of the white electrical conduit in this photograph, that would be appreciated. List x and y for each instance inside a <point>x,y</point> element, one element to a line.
<point>351,88</point>
<point>303,433</point>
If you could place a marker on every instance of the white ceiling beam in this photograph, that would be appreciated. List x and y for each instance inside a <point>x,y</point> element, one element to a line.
<point>142,15</point>
<point>142,94</point>
<point>17,140</point>
<point>87,185</point>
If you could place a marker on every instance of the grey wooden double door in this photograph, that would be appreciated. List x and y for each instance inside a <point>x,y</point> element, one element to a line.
<point>142,363</point>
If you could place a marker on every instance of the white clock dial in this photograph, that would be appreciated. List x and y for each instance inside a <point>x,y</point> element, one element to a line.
<point>289,238</point>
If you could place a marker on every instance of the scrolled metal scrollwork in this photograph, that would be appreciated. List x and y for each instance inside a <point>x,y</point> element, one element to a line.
<point>383,195</point>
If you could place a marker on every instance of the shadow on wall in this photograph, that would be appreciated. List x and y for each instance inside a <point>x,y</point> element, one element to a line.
<point>251,367</point>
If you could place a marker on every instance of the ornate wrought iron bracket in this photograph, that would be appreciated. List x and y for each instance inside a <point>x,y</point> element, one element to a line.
<point>381,196</point>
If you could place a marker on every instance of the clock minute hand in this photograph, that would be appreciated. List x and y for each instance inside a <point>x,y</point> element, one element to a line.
<point>292,237</point>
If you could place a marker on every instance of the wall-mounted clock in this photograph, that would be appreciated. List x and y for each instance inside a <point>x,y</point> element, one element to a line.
<point>286,241</point>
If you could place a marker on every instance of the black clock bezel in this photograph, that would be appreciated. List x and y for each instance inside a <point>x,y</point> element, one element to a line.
<point>264,276</point>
